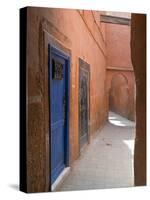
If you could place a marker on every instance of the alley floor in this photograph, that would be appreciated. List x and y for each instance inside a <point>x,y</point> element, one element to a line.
<point>107,162</point>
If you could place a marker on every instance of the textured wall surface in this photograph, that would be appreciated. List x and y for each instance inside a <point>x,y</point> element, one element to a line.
<point>81,33</point>
<point>106,48</point>
<point>118,45</point>
<point>121,92</point>
<point>120,74</point>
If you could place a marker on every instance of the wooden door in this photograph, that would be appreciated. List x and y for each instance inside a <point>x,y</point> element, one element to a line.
<point>59,109</point>
<point>84,75</point>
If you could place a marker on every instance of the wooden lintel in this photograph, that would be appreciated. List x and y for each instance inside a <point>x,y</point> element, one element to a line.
<point>115,20</point>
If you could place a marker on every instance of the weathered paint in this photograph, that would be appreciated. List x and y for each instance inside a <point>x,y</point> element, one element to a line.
<point>59,84</point>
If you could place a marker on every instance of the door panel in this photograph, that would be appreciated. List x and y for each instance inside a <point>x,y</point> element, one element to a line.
<point>58,112</point>
<point>83,102</point>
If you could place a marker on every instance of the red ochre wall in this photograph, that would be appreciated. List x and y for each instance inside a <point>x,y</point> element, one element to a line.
<point>120,74</point>
<point>105,47</point>
<point>82,34</point>
<point>83,30</point>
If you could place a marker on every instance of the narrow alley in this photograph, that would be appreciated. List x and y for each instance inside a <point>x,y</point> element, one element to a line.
<point>80,67</point>
<point>107,162</point>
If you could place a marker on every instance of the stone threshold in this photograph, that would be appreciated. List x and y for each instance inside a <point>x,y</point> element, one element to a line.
<point>57,184</point>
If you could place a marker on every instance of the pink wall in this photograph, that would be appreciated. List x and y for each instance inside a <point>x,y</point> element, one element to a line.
<point>82,34</point>
<point>118,45</point>
<point>120,74</point>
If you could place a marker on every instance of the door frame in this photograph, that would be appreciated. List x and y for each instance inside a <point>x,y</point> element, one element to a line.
<point>54,50</point>
<point>85,66</point>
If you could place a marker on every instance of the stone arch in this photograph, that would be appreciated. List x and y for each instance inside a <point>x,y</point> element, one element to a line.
<point>119,95</point>
<point>121,75</point>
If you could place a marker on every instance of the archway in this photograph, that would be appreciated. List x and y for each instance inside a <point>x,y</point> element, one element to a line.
<point>119,95</point>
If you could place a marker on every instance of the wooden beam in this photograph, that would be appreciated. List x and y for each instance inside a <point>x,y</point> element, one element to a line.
<point>115,20</point>
<point>123,68</point>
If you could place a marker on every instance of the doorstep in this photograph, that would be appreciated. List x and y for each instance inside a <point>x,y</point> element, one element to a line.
<point>56,185</point>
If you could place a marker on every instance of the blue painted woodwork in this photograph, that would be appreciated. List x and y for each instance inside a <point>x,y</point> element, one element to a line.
<point>59,110</point>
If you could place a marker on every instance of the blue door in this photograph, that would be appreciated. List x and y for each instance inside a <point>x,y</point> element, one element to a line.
<point>59,112</point>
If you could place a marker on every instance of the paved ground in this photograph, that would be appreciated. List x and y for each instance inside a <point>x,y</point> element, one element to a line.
<point>108,161</point>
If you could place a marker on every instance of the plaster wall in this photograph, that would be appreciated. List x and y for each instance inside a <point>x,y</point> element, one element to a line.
<point>83,36</point>
<point>120,74</point>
